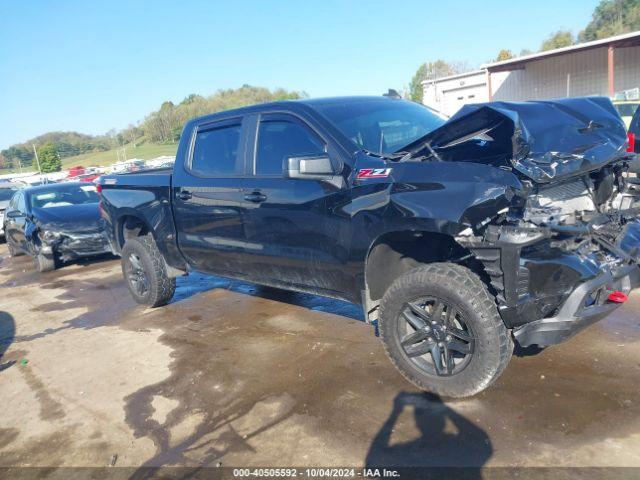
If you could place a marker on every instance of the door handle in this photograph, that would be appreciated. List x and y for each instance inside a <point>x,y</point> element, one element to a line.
<point>255,197</point>
<point>184,195</point>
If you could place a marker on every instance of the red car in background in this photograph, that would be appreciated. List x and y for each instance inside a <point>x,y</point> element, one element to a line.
<point>76,171</point>
<point>88,177</point>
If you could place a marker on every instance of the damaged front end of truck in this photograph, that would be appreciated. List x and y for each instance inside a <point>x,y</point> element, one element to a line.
<point>564,253</point>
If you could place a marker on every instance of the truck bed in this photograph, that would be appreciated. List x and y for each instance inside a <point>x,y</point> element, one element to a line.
<point>140,201</point>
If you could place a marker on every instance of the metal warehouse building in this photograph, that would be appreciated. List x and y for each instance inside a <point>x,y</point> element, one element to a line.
<point>603,67</point>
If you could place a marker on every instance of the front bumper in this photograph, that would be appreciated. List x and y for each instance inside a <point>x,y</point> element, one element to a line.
<point>546,292</point>
<point>72,246</point>
<point>586,305</point>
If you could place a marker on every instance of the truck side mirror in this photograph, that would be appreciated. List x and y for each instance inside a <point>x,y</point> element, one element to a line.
<point>312,168</point>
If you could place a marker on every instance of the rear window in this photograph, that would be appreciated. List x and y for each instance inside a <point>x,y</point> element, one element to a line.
<point>215,150</point>
<point>626,109</point>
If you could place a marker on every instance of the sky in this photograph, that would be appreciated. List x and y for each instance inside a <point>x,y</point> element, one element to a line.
<point>91,66</point>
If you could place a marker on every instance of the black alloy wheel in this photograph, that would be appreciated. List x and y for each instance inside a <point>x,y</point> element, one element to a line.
<point>440,327</point>
<point>435,337</point>
<point>136,275</point>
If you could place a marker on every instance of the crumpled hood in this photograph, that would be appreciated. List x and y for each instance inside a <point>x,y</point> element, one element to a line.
<point>544,140</point>
<point>70,218</point>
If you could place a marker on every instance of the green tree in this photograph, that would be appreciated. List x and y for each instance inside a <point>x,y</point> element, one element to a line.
<point>49,158</point>
<point>132,134</point>
<point>504,54</point>
<point>559,39</point>
<point>161,126</point>
<point>18,155</point>
<point>165,124</point>
<point>431,71</point>
<point>612,17</point>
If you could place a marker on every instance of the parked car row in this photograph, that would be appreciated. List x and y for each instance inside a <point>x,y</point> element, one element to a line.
<point>59,222</point>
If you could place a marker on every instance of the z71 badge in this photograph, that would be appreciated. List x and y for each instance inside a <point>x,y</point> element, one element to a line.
<point>373,172</point>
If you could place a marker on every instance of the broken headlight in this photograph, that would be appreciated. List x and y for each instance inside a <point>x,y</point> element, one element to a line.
<point>50,236</point>
<point>522,235</point>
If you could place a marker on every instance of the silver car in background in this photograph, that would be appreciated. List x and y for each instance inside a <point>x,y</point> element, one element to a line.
<point>7,190</point>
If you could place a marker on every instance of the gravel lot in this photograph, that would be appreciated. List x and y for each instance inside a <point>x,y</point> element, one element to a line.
<point>240,375</point>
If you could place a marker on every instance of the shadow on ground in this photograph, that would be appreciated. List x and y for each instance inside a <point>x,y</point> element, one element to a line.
<point>7,335</point>
<point>446,438</point>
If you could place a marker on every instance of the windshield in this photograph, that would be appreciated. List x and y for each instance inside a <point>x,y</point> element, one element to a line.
<point>7,193</point>
<point>382,126</point>
<point>64,196</point>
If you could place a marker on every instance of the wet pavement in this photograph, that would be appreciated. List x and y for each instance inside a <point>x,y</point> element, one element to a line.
<point>241,375</point>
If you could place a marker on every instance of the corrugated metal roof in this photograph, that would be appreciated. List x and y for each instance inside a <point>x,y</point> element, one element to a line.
<point>454,77</point>
<point>624,40</point>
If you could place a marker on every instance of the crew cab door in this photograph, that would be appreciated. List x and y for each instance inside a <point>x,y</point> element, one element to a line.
<point>208,199</point>
<point>294,232</point>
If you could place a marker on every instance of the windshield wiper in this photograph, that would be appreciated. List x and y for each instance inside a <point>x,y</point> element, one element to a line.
<point>411,154</point>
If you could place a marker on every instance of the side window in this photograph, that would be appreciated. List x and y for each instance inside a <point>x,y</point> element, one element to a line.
<point>215,150</point>
<point>22,206</point>
<point>281,139</point>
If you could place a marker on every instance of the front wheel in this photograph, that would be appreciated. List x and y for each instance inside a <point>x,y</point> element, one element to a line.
<point>13,251</point>
<point>441,329</point>
<point>44,263</point>
<point>145,272</point>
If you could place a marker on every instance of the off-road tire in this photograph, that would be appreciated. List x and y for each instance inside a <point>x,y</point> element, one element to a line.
<point>160,286</point>
<point>464,290</point>
<point>44,263</point>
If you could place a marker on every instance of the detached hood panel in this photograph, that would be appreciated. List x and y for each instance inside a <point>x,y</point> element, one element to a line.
<point>544,140</point>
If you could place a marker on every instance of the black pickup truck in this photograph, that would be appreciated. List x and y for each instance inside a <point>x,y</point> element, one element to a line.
<point>507,222</point>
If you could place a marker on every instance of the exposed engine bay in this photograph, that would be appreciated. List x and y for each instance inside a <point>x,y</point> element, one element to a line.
<point>570,237</point>
<point>555,258</point>
<point>570,156</point>
<point>584,213</point>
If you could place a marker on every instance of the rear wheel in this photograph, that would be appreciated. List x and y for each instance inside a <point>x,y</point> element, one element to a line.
<point>441,329</point>
<point>145,272</point>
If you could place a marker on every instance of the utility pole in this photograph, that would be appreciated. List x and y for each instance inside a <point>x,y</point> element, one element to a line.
<point>35,152</point>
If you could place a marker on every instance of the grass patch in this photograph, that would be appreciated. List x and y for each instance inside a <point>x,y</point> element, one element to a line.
<point>145,151</point>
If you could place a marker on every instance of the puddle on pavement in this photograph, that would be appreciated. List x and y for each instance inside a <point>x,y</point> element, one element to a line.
<point>196,283</point>
<point>624,326</point>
